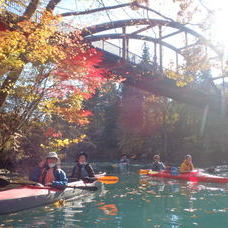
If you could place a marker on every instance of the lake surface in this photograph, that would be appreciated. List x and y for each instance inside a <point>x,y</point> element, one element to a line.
<point>134,202</point>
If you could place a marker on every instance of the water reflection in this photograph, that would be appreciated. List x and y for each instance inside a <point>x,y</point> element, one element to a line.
<point>185,202</point>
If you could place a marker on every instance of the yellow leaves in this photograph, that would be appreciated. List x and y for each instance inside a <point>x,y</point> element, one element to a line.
<point>12,46</point>
<point>57,144</point>
<point>181,79</point>
<point>196,59</point>
<point>30,43</point>
<point>172,118</point>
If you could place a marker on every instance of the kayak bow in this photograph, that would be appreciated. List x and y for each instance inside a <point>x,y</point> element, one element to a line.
<point>25,197</point>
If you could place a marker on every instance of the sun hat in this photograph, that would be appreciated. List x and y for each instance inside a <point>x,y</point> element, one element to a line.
<point>52,155</point>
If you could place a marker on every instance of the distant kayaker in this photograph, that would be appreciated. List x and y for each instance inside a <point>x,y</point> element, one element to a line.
<point>124,159</point>
<point>157,165</point>
<point>83,170</point>
<point>187,164</point>
<point>48,172</point>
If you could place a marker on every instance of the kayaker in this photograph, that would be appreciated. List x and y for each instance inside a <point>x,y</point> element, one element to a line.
<point>124,159</point>
<point>83,170</point>
<point>187,164</point>
<point>48,173</point>
<point>157,165</point>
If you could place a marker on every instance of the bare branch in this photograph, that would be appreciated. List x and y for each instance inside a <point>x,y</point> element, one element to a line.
<point>94,10</point>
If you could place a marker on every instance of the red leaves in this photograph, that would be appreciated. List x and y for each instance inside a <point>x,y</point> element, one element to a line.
<point>52,133</point>
<point>79,73</point>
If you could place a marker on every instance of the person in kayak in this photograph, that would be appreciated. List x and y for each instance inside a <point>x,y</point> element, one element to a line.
<point>124,159</point>
<point>48,173</point>
<point>187,164</point>
<point>157,165</point>
<point>83,170</point>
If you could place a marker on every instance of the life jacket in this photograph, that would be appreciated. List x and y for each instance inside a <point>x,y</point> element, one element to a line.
<point>186,166</point>
<point>47,175</point>
<point>157,166</point>
<point>82,171</point>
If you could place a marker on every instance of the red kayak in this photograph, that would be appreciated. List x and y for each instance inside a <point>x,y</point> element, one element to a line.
<point>25,197</point>
<point>194,176</point>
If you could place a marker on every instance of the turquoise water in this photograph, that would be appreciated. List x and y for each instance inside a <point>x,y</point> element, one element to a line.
<point>134,202</point>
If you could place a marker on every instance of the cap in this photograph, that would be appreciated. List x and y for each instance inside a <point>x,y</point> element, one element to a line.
<point>156,156</point>
<point>188,156</point>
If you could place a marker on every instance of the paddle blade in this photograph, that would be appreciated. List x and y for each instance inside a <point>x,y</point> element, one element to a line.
<point>143,171</point>
<point>108,179</point>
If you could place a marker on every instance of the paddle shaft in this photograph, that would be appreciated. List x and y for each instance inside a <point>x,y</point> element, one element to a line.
<point>4,183</point>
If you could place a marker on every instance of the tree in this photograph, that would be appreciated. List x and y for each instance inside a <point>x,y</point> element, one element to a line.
<point>146,54</point>
<point>46,75</point>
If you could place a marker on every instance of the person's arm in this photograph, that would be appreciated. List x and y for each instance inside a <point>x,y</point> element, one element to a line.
<point>73,172</point>
<point>61,179</point>
<point>182,168</point>
<point>192,166</point>
<point>91,178</point>
<point>90,171</point>
<point>163,166</point>
<point>35,175</point>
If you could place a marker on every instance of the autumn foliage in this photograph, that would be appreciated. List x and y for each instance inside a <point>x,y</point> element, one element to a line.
<point>46,74</point>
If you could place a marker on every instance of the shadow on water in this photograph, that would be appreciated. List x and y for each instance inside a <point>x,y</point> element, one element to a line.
<point>135,201</point>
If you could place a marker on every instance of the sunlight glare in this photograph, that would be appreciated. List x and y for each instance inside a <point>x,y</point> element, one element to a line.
<point>219,30</point>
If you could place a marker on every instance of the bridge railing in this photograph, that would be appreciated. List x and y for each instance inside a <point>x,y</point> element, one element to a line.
<point>130,56</point>
<point>116,50</point>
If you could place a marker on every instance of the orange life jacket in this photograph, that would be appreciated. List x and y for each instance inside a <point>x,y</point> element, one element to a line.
<point>186,166</point>
<point>47,176</point>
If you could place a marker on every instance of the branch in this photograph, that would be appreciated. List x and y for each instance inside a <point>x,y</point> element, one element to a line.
<point>52,4</point>
<point>8,83</point>
<point>31,8</point>
<point>94,10</point>
<point>154,11</point>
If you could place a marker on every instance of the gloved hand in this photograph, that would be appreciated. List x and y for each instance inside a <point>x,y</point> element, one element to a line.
<point>86,180</point>
<point>39,184</point>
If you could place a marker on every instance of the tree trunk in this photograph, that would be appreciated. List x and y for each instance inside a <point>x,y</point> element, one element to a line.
<point>8,84</point>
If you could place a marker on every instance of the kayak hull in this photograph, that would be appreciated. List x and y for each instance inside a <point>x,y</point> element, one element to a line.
<point>194,176</point>
<point>25,197</point>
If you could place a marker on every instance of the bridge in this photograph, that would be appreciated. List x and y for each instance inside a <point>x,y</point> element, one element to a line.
<point>170,40</point>
<point>165,36</point>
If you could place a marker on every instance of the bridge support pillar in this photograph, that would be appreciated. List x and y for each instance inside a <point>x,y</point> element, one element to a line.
<point>125,44</point>
<point>160,48</point>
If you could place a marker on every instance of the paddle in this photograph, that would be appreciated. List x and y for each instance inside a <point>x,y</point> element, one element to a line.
<point>108,179</point>
<point>147,171</point>
<point>103,179</point>
<point>4,183</point>
<point>143,171</point>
